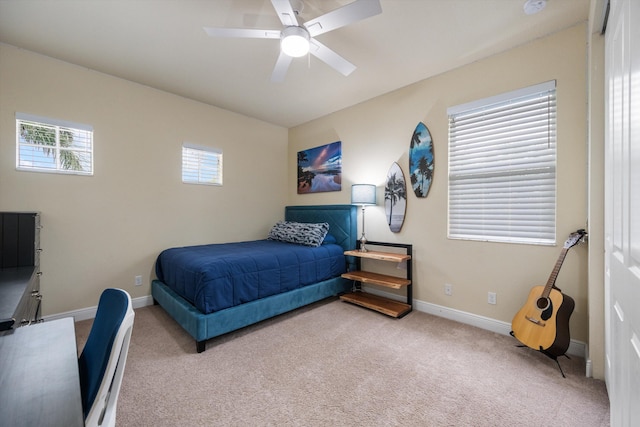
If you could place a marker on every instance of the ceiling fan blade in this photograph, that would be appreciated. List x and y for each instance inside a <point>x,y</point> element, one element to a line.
<point>280,70</point>
<point>242,33</point>
<point>352,12</point>
<point>285,12</point>
<point>331,58</point>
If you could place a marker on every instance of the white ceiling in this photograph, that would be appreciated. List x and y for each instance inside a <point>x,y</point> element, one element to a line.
<point>161,44</point>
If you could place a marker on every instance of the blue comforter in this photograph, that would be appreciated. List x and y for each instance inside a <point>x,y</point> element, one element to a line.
<point>218,276</point>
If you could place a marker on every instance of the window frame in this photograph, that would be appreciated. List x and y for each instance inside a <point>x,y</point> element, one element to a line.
<point>57,125</point>
<point>201,169</point>
<point>525,196</point>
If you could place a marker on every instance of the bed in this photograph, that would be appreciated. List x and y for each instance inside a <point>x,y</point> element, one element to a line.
<point>209,297</point>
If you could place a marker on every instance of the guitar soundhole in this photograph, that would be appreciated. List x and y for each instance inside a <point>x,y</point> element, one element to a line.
<point>546,305</point>
<point>542,303</point>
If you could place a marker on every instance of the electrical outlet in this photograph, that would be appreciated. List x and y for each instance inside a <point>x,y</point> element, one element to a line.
<point>448,289</point>
<point>138,280</point>
<point>492,298</point>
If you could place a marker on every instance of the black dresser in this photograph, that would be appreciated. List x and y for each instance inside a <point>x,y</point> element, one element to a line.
<point>20,296</point>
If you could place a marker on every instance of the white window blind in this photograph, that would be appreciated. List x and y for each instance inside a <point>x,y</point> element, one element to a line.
<point>201,165</point>
<point>50,145</point>
<point>502,167</point>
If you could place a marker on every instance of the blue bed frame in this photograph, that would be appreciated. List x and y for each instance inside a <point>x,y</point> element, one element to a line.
<point>342,225</point>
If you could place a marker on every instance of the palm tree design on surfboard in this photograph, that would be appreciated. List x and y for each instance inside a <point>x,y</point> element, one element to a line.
<point>395,198</point>
<point>421,160</point>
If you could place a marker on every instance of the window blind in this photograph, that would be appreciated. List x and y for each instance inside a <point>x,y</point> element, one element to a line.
<point>502,167</point>
<point>201,165</point>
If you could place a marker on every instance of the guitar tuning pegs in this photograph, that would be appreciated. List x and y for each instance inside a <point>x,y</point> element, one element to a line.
<point>585,235</point>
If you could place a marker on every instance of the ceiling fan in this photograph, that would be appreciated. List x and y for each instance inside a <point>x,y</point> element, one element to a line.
<point>297,39</point>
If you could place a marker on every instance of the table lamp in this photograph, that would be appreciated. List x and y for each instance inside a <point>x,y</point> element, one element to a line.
<point>363,195</point>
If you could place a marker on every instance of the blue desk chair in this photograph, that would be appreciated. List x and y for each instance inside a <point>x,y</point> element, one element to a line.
<point>104,356</point>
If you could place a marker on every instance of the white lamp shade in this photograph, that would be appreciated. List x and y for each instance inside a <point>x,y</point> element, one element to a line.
<point>363,194</point>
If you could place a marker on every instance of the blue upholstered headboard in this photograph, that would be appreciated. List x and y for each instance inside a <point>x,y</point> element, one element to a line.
<point>342,220</point>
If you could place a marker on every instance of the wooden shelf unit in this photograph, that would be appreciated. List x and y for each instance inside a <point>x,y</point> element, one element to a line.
<point>384,305</point>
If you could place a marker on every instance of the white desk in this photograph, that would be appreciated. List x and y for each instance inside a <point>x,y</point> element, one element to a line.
<point>39,377</point>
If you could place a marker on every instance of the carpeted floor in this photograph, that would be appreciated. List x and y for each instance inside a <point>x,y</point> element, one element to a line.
<point>335,364</point>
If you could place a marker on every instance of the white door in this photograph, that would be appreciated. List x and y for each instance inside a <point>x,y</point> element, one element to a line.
<point>622,212</point>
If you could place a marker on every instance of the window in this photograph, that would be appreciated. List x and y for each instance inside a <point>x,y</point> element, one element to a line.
<point>201,165</point>
<point>49,145</point>
<point>502,167</point>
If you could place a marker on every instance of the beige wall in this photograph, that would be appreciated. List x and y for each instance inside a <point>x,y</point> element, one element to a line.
<point>103,230</point>
<point>377,133</point>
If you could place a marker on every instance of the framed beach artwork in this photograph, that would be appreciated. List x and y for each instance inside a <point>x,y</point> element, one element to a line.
<point>395,198</point>
<point>421,160</point>
<point>320,169</point>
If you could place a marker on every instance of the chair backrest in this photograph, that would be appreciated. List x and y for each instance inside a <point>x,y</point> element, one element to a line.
<point>104,356</point>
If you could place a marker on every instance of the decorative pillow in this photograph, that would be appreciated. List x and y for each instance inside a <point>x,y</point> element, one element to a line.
<point>301,233</point>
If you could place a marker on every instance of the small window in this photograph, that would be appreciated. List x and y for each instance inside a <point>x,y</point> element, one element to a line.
<point>48,145</point>
<point>502,167</point>
<point>201,165</point>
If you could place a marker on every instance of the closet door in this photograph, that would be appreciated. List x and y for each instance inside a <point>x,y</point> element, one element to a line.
<point>622,212</point>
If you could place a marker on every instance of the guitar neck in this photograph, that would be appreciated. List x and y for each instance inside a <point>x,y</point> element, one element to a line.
<point>554,274</point>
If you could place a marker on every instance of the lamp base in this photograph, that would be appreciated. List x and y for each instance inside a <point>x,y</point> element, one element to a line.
<point>363,241</point>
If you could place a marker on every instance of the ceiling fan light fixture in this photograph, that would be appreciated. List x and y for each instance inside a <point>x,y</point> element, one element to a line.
<point>294,41</point>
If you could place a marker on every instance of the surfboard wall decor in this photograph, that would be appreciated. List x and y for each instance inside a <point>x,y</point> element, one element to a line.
<point>421,160</point>
<point>395,198</point>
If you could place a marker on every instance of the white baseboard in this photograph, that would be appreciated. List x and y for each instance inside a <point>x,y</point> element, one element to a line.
<point>90,313</point>
<point>576,348</point>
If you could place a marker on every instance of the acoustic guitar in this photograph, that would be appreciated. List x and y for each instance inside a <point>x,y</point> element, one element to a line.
<point>543,322</point>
